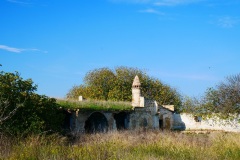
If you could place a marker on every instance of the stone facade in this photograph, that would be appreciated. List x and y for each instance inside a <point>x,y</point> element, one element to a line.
<point>146,114</point>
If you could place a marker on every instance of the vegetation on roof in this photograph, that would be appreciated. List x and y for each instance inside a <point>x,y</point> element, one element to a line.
<point>93,105</point>
<point>116,85</point>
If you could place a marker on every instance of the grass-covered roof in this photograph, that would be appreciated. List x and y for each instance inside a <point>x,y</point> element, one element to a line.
<point>93,105</point>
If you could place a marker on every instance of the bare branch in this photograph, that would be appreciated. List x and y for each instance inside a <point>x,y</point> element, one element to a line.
<point>4,106</point>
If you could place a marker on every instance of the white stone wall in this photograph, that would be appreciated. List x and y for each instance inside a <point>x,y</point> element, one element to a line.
<point>188,122</point>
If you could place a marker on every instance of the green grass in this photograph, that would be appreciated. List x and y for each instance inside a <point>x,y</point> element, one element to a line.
<point>129,145</point>
<point>95,105</point>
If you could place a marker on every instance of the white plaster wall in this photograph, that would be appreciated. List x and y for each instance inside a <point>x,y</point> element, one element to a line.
<point>187,121</point>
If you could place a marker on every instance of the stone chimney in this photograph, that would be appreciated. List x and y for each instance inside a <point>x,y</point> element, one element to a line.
<point>136,93</point>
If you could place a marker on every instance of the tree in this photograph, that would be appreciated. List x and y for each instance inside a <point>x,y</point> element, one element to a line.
<point>107,84</point>
<point>100,82</point>
<point>14,91</point>
<point>22,111</point>
<point>193,106</point>
<point>122,85</point>
<point>225,97</point>
<point>223,100</point>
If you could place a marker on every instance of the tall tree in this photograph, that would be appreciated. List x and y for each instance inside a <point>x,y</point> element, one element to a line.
<point>107,84</point>
<point>99,82</point>
<point>123,83</point>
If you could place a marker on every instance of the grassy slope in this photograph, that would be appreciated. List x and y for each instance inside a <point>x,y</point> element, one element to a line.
<point>130,145</point>
<point>95,105</point>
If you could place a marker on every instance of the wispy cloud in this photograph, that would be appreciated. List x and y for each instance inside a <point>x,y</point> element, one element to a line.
<point>10,49</point>
<point>152,11</point>
<point>161,2</point>
<point>19,50</point>
<point>175,2</point>
<point>22,2</point>
<point>227,22</point>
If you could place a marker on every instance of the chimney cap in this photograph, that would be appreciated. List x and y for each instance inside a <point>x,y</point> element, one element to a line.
<point>136,81</point>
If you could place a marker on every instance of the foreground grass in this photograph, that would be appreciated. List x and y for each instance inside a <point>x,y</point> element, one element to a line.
<point>91,105</point>
<point>130,145</point>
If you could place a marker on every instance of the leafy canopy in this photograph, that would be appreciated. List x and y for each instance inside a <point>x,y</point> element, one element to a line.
<point>115,85</point>
<point>225,97</point>
<point>222,100</point>
<point>24,112</point>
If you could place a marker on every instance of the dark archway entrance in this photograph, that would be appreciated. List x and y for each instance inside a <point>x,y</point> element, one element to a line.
<point>160,124</point>
<point>97,122</point>
<point>68,122</point>
<point>121,120</point>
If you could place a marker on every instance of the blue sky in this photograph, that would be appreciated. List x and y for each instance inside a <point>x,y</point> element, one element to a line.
<point>189,44</point>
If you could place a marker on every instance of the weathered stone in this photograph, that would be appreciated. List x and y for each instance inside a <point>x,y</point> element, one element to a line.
<point>146,114</point>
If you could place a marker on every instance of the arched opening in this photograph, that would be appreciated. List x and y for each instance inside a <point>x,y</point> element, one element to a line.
<point>67,123</point>
<point>96,122</point>
<point>121,120</point>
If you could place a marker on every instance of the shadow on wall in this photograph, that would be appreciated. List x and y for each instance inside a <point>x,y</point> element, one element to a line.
<point>95,123</point>
<point>67,120</point>
<point>122,120</point>
<point>178,123</point>
<point>165,123</point>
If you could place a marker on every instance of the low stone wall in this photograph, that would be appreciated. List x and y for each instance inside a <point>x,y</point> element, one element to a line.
<point>189,122</point>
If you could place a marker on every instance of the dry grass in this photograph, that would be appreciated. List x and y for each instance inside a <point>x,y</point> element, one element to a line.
<point>130,145</point>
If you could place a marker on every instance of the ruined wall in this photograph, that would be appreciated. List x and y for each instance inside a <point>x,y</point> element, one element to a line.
<point>166,119</point>
<point>189,122</point>
<point>144,118</point>
<point>83,122</point>
<point>91,122</point>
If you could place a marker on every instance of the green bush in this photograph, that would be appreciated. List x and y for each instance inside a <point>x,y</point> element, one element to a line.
<point>24,112</point>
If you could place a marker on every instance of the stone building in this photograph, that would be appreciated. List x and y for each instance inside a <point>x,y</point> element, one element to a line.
<point>146,114</point>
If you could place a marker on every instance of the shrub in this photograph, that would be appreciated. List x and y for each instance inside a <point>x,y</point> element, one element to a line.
<point>24,112</point>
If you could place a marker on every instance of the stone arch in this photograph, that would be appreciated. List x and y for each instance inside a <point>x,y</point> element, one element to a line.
<point>96,122</point>
<point>121,119</point>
